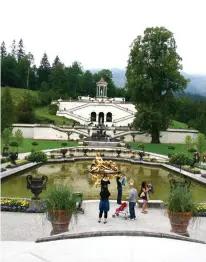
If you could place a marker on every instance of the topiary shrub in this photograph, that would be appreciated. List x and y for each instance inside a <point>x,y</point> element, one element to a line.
<point>180,160</point>
<point>63,152</point>
<point>37,156</point>
<point>141,146</point>
<point>85,150</point>
<point>171,147</point>
<point>64,144</point>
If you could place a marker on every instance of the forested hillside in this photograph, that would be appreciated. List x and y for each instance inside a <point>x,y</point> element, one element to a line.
<point>55,79</point>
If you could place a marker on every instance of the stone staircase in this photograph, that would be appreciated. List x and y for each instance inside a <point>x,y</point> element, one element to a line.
<point>73,116</point>
<point>123,118</point>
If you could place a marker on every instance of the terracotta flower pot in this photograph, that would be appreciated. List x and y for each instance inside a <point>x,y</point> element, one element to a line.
<point>179,222</point>
<point>60,220</point>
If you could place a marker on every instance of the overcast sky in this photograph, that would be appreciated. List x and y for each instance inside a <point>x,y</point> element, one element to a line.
<point>98,33</point>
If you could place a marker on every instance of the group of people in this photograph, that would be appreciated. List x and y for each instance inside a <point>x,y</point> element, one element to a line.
<point>104,205</point>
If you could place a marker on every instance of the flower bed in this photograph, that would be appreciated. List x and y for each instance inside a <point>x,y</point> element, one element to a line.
<point>18,163</point>
<point>17,205</point>
<point>191,170</point>
<point>201,211</point>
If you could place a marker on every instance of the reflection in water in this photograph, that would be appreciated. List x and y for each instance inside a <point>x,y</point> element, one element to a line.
<point>77,176</point>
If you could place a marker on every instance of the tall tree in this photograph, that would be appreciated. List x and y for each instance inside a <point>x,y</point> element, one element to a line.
<point>56,61</point>
<point>9,72</point>
<point>3,50</point>
<point>20,50</point>
<point>153,75</point>
<point>13,49</point>
<point>57,78</point>
<point>25,109</point>
<point>44,70</point>
<point>7,109</point>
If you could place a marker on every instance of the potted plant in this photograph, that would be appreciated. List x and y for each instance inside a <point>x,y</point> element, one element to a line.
<point>181,206</point>
<point>63,151</point>
<point>60,204</point>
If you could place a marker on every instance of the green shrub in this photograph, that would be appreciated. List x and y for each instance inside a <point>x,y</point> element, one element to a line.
<point>14,144</point>
<point>171,147</point>
<point>141,146</point>
<point>180,199</point>
<point>60,198</point>
<point>38,157</point>
<point>191,150</point>
<point>34,143</point>
<point>180,159</point>
<point>52,109</point>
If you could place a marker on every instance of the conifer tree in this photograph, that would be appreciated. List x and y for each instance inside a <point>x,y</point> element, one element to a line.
<point>20,50</point>
<point>3,50</point>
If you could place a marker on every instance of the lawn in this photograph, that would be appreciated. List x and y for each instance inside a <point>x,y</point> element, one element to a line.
<point>160,148</point>
<point>43,115</point>
<point>42,145</point>
<point>178,125</point>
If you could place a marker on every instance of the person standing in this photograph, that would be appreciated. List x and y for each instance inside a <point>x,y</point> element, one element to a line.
<point>104,203</point>
<point>144,195</point>
<point>119,190</point>
<point>132,201</point>
<point>105,181</point>
<point>124,180</point>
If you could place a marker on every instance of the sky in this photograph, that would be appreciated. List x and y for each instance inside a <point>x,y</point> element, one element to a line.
<point>98,33</point>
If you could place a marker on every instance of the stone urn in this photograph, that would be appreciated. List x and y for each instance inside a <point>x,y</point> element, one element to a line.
<point>36,185</point>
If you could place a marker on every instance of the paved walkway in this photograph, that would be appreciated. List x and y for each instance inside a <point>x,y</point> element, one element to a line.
<point>29,227</point>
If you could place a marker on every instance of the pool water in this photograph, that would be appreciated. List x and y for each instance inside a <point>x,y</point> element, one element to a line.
<point>77,176</point>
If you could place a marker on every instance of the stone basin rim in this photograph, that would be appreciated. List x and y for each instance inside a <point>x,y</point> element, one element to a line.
<point>128,233</point>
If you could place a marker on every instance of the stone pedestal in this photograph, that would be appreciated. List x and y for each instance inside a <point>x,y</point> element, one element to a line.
<point>36,204</point>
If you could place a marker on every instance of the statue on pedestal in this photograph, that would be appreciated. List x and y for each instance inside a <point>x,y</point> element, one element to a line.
<point>101,166</point>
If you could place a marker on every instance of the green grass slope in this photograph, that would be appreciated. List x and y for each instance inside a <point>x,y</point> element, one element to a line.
<point>17,93</point>
<point>178,125</point>
<point>42,115</point>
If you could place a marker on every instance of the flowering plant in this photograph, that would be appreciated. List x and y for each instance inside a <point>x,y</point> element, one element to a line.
<point>201,208</point>
<point>17,205</point>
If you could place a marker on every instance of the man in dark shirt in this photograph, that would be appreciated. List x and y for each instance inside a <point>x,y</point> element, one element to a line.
<point>119,190</point>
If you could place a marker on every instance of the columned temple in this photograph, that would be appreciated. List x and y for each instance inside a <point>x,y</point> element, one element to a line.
<point>101,88</point>
<point>100,110</point>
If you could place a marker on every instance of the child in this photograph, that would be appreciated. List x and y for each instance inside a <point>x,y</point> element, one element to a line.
<point>124,180</point>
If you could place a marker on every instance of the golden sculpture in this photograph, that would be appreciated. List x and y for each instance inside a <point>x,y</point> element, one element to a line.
<point>99,165</point>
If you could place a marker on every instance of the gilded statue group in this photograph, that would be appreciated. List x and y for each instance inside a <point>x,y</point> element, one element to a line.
<point>99,165</point>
